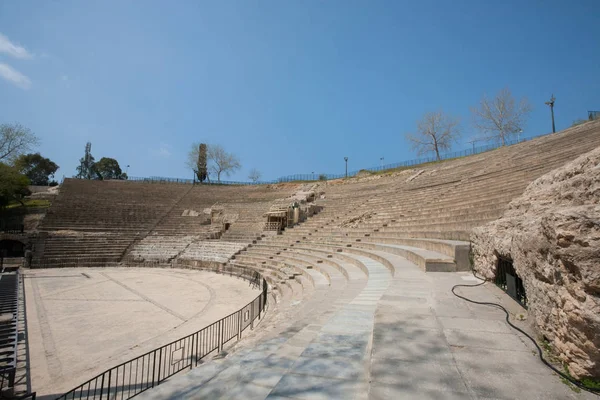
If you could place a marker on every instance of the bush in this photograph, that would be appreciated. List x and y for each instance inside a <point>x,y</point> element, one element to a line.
<point>322,177</point>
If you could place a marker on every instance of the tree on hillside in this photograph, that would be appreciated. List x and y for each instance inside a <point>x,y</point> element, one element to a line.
<point>86,168</point>
<point>108,168</point>
<point>202,165</point>
<point>15,140</point>
<point>436,132</point>
<point>502,117</point>
<point>218,161</point>
<point>13,185</point>
<point>222,162</point>
<point>254,175</point>
<point>38,169</point>
<point>197,161</point>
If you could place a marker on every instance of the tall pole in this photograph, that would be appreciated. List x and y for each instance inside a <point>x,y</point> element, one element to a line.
<point>381,162</point>
<point>551,104</point>
<point>346,159</point>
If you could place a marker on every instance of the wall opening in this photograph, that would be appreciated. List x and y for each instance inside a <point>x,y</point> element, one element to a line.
<point>11,248</point>
<point>508,280</point>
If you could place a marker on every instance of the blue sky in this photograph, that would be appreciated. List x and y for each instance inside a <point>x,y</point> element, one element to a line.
<point>288,86</point>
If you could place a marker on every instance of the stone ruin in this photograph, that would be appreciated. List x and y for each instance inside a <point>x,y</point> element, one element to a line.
<point>552,234</point>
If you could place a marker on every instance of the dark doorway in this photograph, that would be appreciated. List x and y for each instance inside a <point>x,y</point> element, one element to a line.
<point>508,280</point>
<point>11,248</point>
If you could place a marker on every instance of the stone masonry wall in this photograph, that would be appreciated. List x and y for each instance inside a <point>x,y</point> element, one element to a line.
<point>552,234</point>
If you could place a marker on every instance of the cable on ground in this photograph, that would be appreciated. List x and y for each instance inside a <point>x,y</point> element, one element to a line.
<point>553,368</point>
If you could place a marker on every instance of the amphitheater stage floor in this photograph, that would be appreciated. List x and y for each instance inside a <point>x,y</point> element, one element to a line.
<point>82,321</point>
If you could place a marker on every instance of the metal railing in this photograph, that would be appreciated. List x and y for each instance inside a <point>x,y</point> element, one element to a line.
<point>9,304</point>
<point>318,176</point>
<point>272,226</point>
<point>141,373</point>
<point>19,228</point>
<point>593,115</point>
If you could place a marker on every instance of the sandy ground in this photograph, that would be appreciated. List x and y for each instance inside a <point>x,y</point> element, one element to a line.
<point>83,321</point>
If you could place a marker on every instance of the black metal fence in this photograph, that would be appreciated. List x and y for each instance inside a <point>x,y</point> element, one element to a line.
<point>9,305</point>
<point>135,376</point>
<point>316,176</point>
<point>508,280</point>
<point>593,115</point>
<point>17,228</point>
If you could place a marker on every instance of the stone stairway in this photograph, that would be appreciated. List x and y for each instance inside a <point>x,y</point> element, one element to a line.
<point>398,334</point>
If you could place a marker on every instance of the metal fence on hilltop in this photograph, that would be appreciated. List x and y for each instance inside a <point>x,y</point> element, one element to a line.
<point>323,176</point>
<point>148,370</point>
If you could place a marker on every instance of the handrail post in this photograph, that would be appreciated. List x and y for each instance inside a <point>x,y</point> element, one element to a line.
<point>192,351</point>
<point>102,386</point>
<point>252,315</point>
<point>159,364</point>
<point>108,388</point>
<point>220,335</point>
<point>153,368</point>
<point>240,324</point>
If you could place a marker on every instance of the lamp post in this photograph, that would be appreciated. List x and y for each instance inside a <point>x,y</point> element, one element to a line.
<point>473,141</point>
<point>346,159</point>
<point>551,104</point>
<point>519,135</point>
<point>127,170</point>
<point>313,175</point>
<point>381,162</point>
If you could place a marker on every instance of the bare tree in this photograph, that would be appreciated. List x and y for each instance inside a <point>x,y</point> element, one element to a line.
<point>436,132</point>
<point>254,175</point>
<point>222,161</point>
<point>15,140</point>
<point>219,161</point>
<point>192,157</point>
<point>502,117</point>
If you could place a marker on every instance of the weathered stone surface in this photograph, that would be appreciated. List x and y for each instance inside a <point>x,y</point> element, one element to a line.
<point>552,234</point>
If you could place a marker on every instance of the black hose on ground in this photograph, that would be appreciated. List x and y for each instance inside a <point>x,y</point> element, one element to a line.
<point>560,373</point>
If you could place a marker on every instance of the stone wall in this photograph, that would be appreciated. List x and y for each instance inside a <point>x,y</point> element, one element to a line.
<point>552,234</point>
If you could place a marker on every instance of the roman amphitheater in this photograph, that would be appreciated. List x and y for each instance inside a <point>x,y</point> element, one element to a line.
<point>344,289</point>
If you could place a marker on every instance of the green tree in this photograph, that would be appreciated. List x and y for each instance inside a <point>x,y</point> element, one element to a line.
<point>38,169</point>
<point>108,168</point>
<point>202,169</point>
<point>197,160</point>
<point>13,185</point>
<point>86,169</point>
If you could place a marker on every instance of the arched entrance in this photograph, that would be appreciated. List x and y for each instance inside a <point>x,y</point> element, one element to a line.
<point>11,248</point>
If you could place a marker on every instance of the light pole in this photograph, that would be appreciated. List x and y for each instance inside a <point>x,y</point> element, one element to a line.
<point>313,175</point>
<point>519,135</point>
<point>127,170</point>
<point>551,104</point>
<point>346,159</point>
<point>381,163</point>
<point>473,141</point>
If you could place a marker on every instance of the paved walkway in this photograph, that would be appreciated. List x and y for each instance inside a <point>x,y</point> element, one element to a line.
<point>400,337</point>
